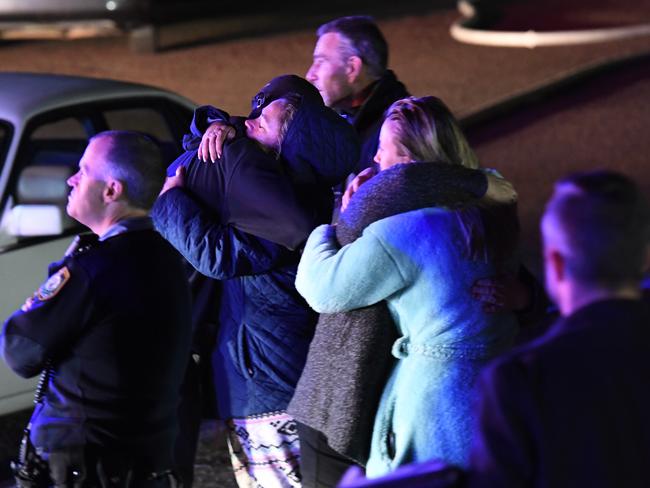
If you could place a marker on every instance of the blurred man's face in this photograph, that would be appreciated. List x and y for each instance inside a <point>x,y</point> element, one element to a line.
<point>86,199</point>
<point>265,129</point>
<point>328,72</point>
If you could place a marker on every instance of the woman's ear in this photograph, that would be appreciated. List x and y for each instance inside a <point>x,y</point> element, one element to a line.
<point>405,158</point>
<point>404,155</point>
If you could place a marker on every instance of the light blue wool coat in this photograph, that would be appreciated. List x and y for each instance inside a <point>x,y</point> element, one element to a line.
<point>415,261</point>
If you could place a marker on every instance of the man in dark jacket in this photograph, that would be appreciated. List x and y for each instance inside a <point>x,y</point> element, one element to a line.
<point>571,409</point>
<point>110,328</point>
<point>349,69</point>
<point>240,221</point>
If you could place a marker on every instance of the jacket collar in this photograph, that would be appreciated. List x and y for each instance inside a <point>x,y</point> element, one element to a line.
<point>599,312</point>
<point>127,225</point>
<point>382,94</point>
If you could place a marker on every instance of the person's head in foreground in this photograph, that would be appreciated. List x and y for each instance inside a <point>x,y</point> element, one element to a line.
<point>120,175</point>
<point>422,130</point>
<point>595,233</point>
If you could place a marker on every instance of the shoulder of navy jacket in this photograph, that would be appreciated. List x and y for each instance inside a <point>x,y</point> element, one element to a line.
<point>82,243</point>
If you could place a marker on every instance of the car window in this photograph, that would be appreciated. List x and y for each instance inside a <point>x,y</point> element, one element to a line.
<point>141,119</point>
<point>49,153</point>
<point>57,143</point>
<point>65,128</point>
<point>148,120</point>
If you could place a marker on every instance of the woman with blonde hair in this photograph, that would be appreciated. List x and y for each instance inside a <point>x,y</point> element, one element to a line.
<point>411,241</point>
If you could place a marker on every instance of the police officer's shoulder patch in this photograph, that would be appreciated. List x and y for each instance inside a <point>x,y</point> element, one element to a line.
<point>53,285</point>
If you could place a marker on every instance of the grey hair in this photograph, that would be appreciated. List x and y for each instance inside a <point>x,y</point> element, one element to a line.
<point>361,38</point>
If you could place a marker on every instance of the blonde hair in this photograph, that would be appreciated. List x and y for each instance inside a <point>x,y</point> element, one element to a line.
<point>290,104</point>
<point>426,130</point>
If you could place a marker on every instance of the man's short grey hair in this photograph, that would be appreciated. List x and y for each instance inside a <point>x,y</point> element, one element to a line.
<point>361,38</point>
<point>135,159</point>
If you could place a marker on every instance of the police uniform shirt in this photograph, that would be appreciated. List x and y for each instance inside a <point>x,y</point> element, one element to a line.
<point>114,319</point>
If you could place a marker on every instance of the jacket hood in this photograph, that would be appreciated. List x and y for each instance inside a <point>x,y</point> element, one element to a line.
<point>320,146</point>
<point>387,90</point>
<point>281,86</point>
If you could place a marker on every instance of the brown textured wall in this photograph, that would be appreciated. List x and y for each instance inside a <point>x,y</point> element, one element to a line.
<point>600,123</point>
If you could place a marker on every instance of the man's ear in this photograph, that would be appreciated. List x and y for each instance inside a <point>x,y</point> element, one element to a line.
<point>113,190</point>
<point>556,263</point>
<point>354,68</point>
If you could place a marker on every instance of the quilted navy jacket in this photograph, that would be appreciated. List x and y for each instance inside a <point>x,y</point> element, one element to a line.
<point>240,221</point>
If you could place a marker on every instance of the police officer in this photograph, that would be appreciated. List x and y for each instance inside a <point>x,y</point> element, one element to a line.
<point>110,327</point>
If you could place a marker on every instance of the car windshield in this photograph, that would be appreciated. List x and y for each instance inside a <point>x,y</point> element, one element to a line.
<point>5,132</point>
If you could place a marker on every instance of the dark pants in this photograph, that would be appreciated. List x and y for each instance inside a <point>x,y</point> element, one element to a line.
<point>320,465</point>
<point>88,468</point>
<point>189,424</point>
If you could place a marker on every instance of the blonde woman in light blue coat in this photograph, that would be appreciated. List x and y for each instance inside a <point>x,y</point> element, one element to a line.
<point>422,261</point>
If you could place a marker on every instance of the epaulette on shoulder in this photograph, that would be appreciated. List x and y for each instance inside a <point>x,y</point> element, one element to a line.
<point>82,243</point>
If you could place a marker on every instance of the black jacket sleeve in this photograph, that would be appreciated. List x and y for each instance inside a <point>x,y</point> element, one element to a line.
<point>48,321</point>
<point>215,249</point>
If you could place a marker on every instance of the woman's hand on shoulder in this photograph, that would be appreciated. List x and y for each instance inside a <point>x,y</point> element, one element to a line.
<point>213,140</point>
<point>499,190</point>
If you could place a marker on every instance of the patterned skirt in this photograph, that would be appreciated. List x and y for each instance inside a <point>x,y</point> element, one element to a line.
<point>265,451</point>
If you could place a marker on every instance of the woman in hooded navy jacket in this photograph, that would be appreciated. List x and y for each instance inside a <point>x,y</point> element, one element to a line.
<point>240,221</point>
